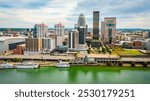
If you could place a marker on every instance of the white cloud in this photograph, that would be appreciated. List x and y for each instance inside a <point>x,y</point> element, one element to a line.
<point>26,13</point>
<point>52,13</point>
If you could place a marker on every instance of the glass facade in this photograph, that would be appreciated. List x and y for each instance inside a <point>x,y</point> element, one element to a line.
<point>82,36</point>
<point>96,25</point>
<point>14,45</point>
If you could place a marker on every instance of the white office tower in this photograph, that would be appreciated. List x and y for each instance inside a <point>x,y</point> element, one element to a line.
<point>73,40</point>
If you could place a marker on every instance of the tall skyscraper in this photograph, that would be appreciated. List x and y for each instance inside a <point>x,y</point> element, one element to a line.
<point>40,30</point>
<point>73,39</point>
<point>60,32</point>
<point>96,25</point>
<point>109,27</point>
<point>102,30</point>
<point>81,20</point>
<point>82,35</point>
<point>82,29</point>
<point>59,29</point>
<point>96,37</point>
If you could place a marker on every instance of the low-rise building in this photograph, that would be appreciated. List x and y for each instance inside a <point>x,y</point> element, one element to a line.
<point>39,45</point>
<point>128,44</point>
<point>137,44</point>
<point>146,45</point>
<point>20,49</point>
<point>101,58</point>
<point>10,43</point>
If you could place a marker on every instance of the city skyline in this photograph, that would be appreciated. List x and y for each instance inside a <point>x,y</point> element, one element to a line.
<point>26,13</point>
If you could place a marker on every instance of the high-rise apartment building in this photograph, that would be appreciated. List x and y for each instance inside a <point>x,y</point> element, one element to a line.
<point>96,25</point>
<point>73,39</point>
<point>59,29</point>
<point>40,30</point>
<point>109,30</point>
<point>40,43</point>
<point>60,33</point>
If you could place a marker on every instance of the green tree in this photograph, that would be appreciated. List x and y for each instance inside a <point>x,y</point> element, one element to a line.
<point>17,60</point>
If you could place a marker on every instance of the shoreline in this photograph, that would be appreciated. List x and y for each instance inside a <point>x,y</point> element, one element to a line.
<point>52,64</point>
<point>86,67</point>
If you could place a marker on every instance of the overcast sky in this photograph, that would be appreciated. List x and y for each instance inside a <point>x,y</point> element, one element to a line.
<point>26,13</point>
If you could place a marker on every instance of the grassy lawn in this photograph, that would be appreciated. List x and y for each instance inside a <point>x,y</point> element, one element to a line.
<point>116,51</point>
<point>130,52</point>
<point>121,51</point>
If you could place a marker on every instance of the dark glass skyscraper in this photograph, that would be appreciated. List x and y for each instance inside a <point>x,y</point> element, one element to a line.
<point>96,37</point>
<point>82,35</point>
<point>96,25</point>
<point>82,29</point>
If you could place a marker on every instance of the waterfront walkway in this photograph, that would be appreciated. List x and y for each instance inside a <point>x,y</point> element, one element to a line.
<point>96,59</point>
<point>135,59</point>
<point>37,57</point>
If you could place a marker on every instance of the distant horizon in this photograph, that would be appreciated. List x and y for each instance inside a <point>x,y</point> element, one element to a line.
<point>65,28</point>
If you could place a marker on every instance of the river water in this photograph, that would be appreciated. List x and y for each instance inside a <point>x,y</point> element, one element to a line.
<point>77,75</point>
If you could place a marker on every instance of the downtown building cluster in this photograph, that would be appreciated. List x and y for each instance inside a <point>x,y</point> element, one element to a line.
<point>41,40</point>
<point>79,39</point>
<point>81,45</point>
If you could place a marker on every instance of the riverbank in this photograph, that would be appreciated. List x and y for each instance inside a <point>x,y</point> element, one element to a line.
<point>52,64</point>
<point>91,59</point>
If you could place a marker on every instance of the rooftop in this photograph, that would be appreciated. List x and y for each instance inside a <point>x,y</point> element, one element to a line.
<point>22,45</point>
<point>7,38</point>
<point>59,24</point>
<point>40,24</point>
<point>110,17</point>
<point>100,56</point>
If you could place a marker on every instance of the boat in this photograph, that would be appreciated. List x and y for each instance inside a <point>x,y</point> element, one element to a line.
<point>62,64</point>
<point>6,65</point>
<point>26,65</point>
